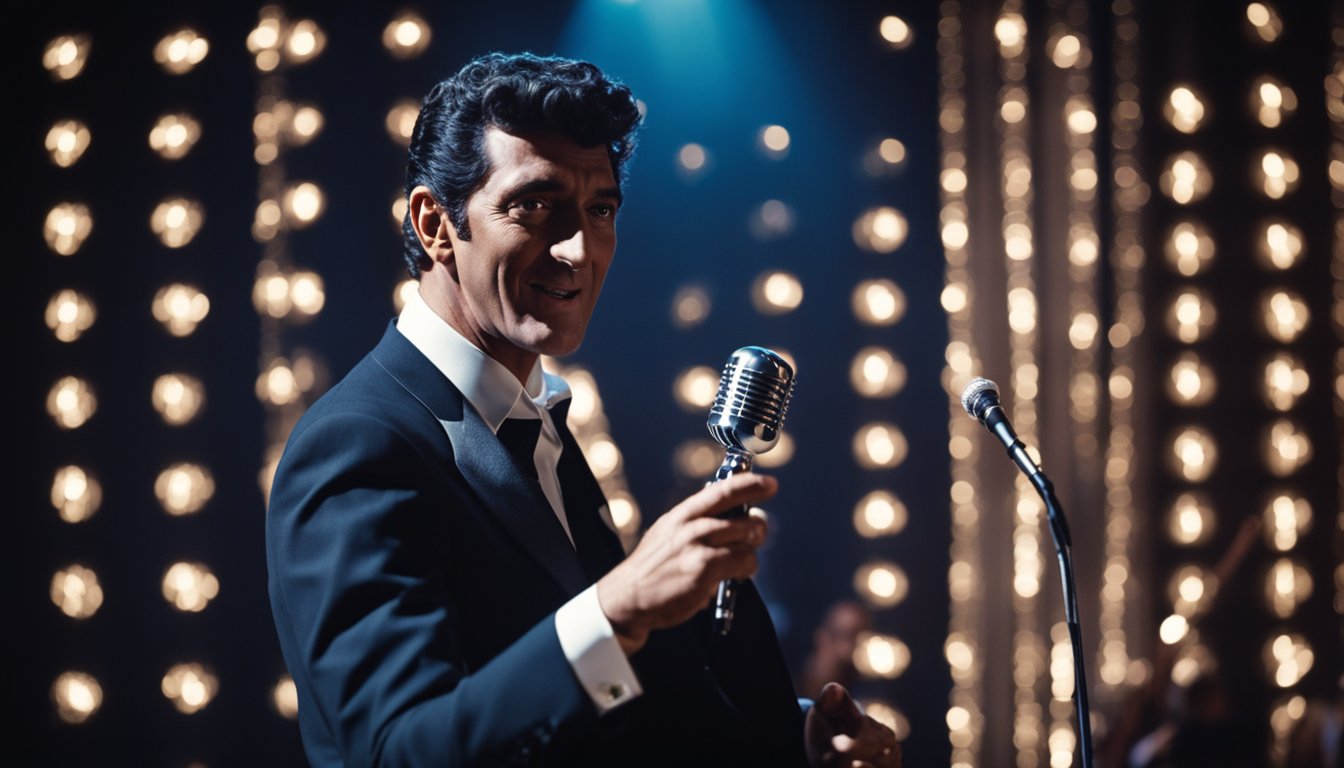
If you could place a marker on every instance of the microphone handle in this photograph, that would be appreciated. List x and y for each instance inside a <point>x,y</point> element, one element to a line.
<point>725,603</point>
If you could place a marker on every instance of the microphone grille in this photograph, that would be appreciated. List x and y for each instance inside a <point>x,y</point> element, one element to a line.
<point>972,393</point>
<point>753,398</point>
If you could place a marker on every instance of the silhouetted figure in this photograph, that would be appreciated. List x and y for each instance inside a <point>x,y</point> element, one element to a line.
<point>833,644</point>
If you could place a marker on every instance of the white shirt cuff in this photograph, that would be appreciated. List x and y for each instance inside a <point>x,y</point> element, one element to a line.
<point>587,639</point>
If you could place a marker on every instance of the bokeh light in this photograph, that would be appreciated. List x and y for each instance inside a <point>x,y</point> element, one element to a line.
<point>1284,314</point>
<point>177,397</point>
<point>896,32</point>
<point>64,57</point>
<point>1264,22</point>
<point>1193,454</point>
<point>1288,517</point>
<point>1190,520</point>
<point>1276,174</point>
<point>285,697</point>
<point>695,388</point>
<point>75,590</point>
<point>1287,586</point>
<point>1186,178</point>
<point>176,221</point>
<point>775,140</point>
<point>692,158</point>
<point>776,292</point>
<point>406,36</point>
<point>880,446</point>
<point>880,513</point>
<point>878,302</point>
<point>306,41</point>
<point>181,51</point>
<point>1184,109</point>
<point>184,488</point>
<point>180,308</point>
<point>1280,246</point>
<point>69,314</point>
<point>881,583</point>
<point>189,587</point>
<point>1191,316</point>
<point>690,307</point>
<point>1288,658</point>
<point>1189,248</point>
<point>1191,381</point>
<point>71,402</point>
<point>1287,448</point>
<point>880,230</point>
<point>1272,101</point>
<point>881,656</point>
<point>77,697</point>
<point>66,228</point>
<point>875,372</point>
<point>400,121</point>
<point>190,687</point>
<point>75,494</point>
<point>304,203</point>
<point>1285,381</point>
<point>67,141</point>
<point>174,135</point>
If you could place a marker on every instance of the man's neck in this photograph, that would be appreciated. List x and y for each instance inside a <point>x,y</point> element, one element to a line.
<point>518,362</point>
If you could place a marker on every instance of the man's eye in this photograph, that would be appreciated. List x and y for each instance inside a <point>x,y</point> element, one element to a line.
<point>531,205</point>
<point>604,211</point>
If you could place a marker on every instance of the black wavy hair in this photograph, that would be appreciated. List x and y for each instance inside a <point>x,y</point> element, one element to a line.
<point>517,92</point>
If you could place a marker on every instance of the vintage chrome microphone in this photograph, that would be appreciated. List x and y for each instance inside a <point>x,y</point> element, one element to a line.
<point>754,392</point>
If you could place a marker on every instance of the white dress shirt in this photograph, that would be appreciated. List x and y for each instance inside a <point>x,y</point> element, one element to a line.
<point>585,634</point>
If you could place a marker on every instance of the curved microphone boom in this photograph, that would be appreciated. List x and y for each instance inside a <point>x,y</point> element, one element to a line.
<point>980,398</point>
<point>754,392</point>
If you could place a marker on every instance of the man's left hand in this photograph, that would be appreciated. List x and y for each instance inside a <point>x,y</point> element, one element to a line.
<point>838,735</point>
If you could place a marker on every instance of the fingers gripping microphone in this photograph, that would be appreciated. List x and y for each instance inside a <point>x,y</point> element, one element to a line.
<point>754,392</point>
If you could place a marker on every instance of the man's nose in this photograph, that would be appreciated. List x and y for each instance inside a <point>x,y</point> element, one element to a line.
<point>571,249</point>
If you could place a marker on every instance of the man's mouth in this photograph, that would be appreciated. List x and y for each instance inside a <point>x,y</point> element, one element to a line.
<point>556,293</point>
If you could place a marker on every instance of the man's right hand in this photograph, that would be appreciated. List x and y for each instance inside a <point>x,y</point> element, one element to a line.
<point>676,569</point>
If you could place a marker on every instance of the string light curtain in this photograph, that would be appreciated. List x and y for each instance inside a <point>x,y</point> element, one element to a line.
<point>1133,228</point>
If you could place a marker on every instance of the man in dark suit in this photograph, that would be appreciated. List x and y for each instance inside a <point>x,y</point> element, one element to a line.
<point>444,584</point>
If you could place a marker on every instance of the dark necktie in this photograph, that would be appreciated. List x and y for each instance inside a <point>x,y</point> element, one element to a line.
<point>597,546</point>
<point>519,436</point>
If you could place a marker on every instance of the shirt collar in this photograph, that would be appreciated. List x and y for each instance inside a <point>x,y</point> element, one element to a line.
<point>485,383</point>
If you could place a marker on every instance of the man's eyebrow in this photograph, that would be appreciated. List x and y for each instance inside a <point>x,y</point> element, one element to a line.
<point>536,186</point>
<point>532,187</point>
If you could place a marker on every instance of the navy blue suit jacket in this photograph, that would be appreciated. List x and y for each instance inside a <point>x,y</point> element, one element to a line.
<point>414,578</point>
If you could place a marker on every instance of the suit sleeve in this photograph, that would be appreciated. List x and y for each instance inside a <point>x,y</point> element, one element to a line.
<point>356,541</point>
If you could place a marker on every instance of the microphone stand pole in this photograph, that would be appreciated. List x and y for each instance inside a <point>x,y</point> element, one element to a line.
<point>1059,531</point>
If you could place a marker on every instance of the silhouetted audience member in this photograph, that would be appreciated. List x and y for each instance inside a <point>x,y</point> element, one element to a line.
<point>1203,731</point>
<point>833,644</point>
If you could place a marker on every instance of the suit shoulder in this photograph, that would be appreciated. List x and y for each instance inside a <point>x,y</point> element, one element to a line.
<point>367,394</point>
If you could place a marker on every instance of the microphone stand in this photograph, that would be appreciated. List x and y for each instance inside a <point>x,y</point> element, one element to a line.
<point>1059,531</point>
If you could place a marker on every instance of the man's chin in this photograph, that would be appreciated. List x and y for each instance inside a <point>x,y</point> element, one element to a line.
<point>554,342</point>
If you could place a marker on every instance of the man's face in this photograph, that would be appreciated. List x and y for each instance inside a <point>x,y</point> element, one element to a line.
<point>543,233</point>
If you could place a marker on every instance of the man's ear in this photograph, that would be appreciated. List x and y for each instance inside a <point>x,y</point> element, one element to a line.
<point>432,226</point>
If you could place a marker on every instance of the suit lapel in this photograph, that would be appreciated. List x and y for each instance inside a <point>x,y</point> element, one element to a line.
<point>485,464</point>
<point>598,545</point>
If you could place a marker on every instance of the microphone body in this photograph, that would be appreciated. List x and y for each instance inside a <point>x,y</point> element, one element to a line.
<point>754,393</point>
<point>981,401</point>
